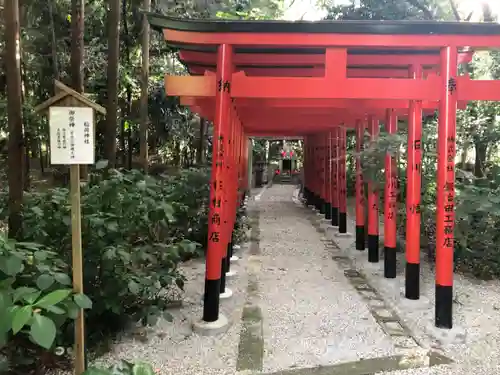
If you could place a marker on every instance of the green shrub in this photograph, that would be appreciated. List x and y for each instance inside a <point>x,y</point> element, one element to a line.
<point>35,293</point>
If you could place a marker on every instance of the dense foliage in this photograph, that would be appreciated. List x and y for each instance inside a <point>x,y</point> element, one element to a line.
<point>136,230</point>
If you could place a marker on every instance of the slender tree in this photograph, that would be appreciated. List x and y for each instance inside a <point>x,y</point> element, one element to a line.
<point>112,76</point>
<point>144,89</point>
<point>14,111</point>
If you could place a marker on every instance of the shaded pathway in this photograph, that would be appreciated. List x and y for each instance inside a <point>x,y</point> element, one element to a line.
<point>311,314</point>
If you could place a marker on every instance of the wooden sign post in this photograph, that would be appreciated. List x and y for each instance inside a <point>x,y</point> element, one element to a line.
<point>72,142</point>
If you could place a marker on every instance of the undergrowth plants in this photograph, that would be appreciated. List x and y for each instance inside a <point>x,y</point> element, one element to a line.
<point>136,230</point>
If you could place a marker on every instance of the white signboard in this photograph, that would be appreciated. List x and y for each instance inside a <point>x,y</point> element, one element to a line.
<point>71,135</point>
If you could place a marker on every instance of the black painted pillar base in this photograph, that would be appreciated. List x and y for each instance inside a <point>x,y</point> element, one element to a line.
<point>444,306</point>
<point>360,237</point>
<point>412,281</point>
<point>211,300</point>
<point>389,262</point>
<point>307,196</point>
<point>342,222</point>
<point>223,275</point>
<point>328,211</point>
<point>373,252</point>
<point>229,255</point>
<point>321,207</point>
<point>335,216</point>
<point>314,200</point>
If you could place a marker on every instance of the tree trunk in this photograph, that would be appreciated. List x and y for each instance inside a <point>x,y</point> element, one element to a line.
<point>123,148</point>
<point>112,74</point>
<point>77,53</point>
<point>53,41</point>
<point>127,114</point>
<point>200,153</point>
<point>77,25</point>
<point>14,110</point>
<point>143,132</point>
<point>479,163</point>
<point>177,153</point>
<point>27,127</point>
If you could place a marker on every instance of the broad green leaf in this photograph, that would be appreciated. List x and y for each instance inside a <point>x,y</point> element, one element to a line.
<point>21,318</point>
<point>142,369</point>
<point>4,284</point>
<point>55,310</point>
<point>62,278</point>
<point>22,291</point>
<point>82,301</point>
<point>43,331</point>
<point>32,297</point>
<point>44,281</point>
<point>73,309</point>
<point>40,255</point>
<point>5,300</point>
<point>13,265</point>
<point>53,298</point>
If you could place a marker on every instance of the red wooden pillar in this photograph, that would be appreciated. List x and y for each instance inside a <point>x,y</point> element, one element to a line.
<point>446,189</point>
<point>373,213</point>
<point>360,188</point>
<point>335,177</point>
<point>328,176</point>
<point>241,158</point>
<point>322,174</point>
<point>246,160</point>
<point>307,171</point>
<point>317,173</point>
<point>313,174</point>
<point>413,193</point>
<point>390,202</point>
<point>228,188</point>
<point>236,201</point>
<point>303,181</point>
<point>216,246</point>
<point>342,180</point>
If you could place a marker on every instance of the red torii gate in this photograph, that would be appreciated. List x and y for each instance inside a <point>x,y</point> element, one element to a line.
<point>316,80</point>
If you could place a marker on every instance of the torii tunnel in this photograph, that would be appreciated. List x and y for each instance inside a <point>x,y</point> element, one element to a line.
<point>319,80</point>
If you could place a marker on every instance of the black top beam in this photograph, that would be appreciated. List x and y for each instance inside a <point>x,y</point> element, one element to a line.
<point>160,22</point>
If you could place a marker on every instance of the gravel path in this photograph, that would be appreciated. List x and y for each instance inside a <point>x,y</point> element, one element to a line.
<point>312,315</point>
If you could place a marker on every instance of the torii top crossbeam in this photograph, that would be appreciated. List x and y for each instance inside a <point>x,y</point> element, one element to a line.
<point>304,76</point>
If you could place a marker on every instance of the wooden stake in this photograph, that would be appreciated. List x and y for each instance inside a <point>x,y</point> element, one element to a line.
<point>76,240</point>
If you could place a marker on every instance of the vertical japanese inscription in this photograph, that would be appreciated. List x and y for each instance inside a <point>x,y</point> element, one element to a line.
<point>71,124</point>
<point>86,132</point>
<point>58,137</point>
<point>218,188</point>
<point>414,208</point>
<point>359,168</point>
<point>449,188</point>
<point>393,186</point>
